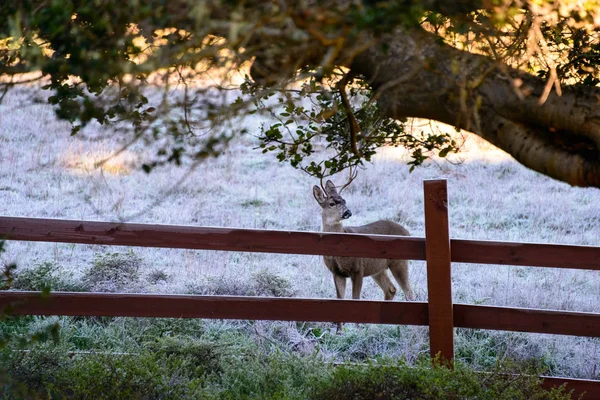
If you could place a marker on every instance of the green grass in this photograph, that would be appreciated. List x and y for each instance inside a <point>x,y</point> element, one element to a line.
<point>423,382</point>
<point>176,368</point>
<point>142,358</point>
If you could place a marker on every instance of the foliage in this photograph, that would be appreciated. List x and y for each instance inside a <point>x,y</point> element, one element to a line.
<point>15,332</point>
<point>11,332</point>
<point>484,349</point>
<point>149,358</point>
<point>157,275</point>
<point>203,356</point>
<point>163,359</point>
<point>143,376</point>
<point>7,277</point>
<point>222,286</point>
<point>300,131</point>
<point>263,283</point>
<point>111,272</point>
<point>269,284</point>
<point>101,62</point>
<point>224,367</point>
<point>423,382</point>
<point>45,276</point>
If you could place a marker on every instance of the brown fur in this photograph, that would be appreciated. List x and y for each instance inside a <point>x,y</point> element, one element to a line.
<point>355,268</point>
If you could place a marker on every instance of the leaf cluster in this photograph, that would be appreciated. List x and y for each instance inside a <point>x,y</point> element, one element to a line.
<point>313,117</point>
<point>545,38</point>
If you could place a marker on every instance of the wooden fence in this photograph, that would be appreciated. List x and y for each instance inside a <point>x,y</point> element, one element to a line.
<point>437,249</point>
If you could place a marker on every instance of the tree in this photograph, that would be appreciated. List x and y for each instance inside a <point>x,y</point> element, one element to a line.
<point>522,75</point>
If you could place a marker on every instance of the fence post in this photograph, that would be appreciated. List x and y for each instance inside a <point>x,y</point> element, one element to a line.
<point>439,282</point>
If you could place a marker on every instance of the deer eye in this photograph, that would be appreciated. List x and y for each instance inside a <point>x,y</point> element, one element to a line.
<point>331,204</point>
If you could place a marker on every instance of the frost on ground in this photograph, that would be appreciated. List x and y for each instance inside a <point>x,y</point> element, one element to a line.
<point>44,172</point>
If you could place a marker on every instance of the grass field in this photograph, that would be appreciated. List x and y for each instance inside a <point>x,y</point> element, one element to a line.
<point>44,172</point>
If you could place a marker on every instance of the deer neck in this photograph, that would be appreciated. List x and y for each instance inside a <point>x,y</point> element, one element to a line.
<point>329,226</point>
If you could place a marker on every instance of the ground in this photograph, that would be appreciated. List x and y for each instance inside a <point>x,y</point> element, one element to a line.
<point>46,173</point>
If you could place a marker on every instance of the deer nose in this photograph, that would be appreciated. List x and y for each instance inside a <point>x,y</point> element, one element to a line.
<point>347,214</point>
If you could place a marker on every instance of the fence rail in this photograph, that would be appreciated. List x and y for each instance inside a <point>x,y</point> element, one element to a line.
<point>294,242</point>
<point>526,254</point>
<point>294,309</point>
<point>208,238</point>
<point>440,314</point>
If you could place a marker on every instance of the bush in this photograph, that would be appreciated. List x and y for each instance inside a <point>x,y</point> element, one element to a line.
<point>482,349</point>
<point>113,272</point>
<point>262,283</point>
<point>425,383</point>
<point>269,284</point>
<point>45,276</point>
<point>222,286</point>
<point>8,269</point>
<point>234,368</point>
<point>202,356</point>
<point>102,376</point>
<point>275,376</point>
<point>156,275</point>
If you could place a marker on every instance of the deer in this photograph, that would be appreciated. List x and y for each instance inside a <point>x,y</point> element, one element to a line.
<point>356,268</point>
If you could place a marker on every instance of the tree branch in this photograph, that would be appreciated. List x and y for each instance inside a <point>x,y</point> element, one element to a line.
<point>353,126</point>
<point>560,138</point>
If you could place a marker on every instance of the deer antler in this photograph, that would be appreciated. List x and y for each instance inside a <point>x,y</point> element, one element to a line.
<point>321,184</point>
<point>352,174</point>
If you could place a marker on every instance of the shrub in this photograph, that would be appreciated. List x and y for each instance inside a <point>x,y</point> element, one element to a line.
<point>222,286</point>
<point>262,283</point>
<point>102,376</point>
<point>269,284</point>
<point>275,376</point>
<point>201,356</point>
<point>425,383</point>
<point>156,275</point>
<point>148,329</point>
<point>45,276</point>
<point>7,273</point>
<point>112,272</point>
<point>232,368</point>
<point>482,349</point>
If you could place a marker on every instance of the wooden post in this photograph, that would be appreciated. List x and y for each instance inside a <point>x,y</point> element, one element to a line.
<point>439,282</point>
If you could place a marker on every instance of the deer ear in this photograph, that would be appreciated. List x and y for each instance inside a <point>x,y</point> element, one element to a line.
<point>318,193</point>
<point>330,188</point>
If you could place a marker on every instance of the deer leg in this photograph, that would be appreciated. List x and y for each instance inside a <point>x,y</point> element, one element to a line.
<point>399,269</point>
<point>340,291</point>
<point>384,282</point>
<point>340,286</point>
<point>357,282</point>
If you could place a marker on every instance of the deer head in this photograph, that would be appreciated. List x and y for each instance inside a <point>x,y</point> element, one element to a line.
<point>333,205</point>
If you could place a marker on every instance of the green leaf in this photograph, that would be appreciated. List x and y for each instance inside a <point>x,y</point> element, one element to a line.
<point>75,130</point>
<point>444,152</point>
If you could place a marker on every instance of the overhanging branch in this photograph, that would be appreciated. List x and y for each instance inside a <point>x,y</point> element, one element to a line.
<point>353,126</point>
<point>559,138</point>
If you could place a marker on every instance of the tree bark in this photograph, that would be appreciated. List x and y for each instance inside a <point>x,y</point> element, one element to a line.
<point>415,75</point>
